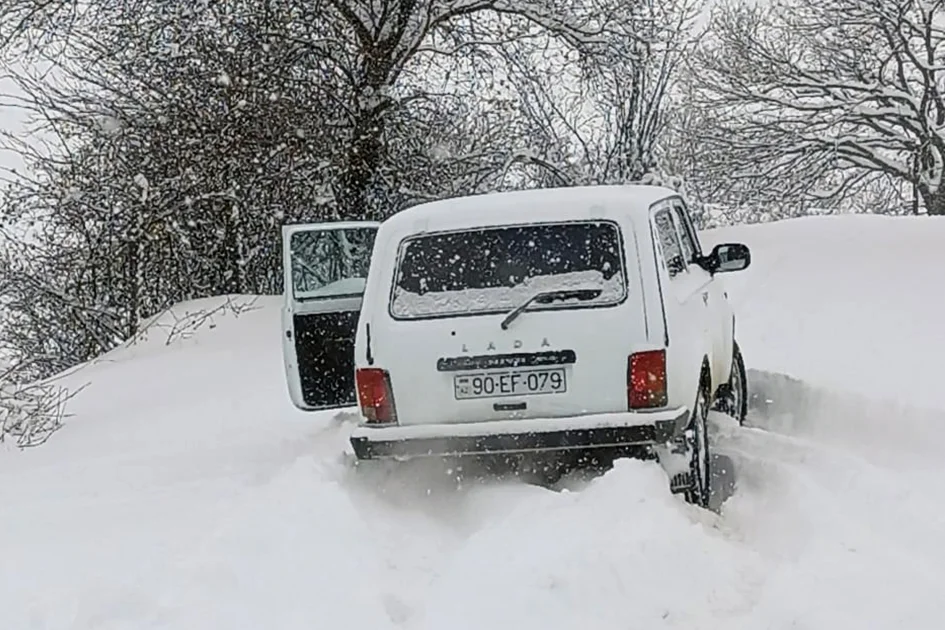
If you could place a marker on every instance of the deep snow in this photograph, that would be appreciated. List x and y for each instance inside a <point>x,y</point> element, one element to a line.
<point>186,492</point>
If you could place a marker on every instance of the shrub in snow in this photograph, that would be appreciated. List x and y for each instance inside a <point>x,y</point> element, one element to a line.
<point>30,412</point>
<point>182,321</point>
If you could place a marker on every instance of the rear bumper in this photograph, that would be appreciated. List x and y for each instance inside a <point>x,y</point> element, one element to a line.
<point>533,435</point>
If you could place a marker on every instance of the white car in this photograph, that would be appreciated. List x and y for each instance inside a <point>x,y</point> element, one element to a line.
<point>570,324</point>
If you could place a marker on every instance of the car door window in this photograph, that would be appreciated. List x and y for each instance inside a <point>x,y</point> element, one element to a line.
<point>669,242</point>
<point>686,221</point>
<point>688,242</point>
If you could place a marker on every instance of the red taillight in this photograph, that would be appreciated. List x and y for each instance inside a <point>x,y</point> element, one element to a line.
<point>646,379</point>
<point>375,395</point>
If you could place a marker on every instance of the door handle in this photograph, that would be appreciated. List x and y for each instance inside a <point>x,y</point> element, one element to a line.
<point>705,298</point>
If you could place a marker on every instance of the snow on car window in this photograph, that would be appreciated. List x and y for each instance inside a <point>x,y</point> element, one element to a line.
<point>496,269</point>
<point>330,262</point>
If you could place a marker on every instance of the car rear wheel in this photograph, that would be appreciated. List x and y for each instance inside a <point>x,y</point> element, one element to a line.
<point>698,439</point>
<point>732,397</point>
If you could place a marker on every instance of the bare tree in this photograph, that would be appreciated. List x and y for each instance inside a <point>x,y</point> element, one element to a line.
<point>30,412</point>
<point>602,118</point>
<point>179,140</point>
<point>817,100</point>
<point>393,39</point>
<point>32,24</point>
<point>182,136</point>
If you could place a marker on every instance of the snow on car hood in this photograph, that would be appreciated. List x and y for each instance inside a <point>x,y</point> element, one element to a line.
<point>409,305</point>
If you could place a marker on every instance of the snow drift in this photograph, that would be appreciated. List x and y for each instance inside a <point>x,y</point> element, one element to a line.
<point>186,492</point>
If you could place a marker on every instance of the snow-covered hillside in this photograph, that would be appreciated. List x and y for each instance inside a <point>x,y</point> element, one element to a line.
<point>186,492</point>
<point>852,302</point>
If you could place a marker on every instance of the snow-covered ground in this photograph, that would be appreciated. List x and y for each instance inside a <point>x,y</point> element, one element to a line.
<point>186,492</point>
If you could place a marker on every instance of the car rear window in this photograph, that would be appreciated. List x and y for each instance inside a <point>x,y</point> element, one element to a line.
<point>495,269</point>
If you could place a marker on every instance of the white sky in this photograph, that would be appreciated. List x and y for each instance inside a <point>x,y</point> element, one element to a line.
<point>11,120</point>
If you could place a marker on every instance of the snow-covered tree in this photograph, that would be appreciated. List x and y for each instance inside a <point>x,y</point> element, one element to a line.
<point>818,99</point>
<point>601,119</point>
<point>183,135</point>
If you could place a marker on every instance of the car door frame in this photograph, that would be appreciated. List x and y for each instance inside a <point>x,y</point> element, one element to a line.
<point>292,307</point>
<point>719,316</point>
<point>686,311</point>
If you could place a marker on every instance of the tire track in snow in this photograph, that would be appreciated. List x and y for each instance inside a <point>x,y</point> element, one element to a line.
<point>869,499</point>
<point>839,571</point>
<point>852,531</point>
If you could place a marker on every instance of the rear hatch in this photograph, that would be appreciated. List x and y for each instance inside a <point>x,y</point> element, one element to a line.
<point>507,322</point>
<point>325,266</point>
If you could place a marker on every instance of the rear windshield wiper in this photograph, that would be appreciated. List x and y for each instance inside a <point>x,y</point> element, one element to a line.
<point>550,296</point>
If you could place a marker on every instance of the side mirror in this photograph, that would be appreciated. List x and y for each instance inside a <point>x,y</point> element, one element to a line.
<point>727,257</point>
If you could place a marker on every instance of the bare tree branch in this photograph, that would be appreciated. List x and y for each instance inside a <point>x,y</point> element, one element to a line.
<point>837,93</point>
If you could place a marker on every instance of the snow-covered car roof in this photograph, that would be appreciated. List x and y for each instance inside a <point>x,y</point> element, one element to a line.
<point>546,204</point>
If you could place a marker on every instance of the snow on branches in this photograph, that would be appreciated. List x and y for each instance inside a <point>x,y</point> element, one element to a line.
<point>821,98</point>
<point>30,412</point>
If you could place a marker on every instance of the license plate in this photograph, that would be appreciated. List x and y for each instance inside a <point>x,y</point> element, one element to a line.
<point>510,383</point>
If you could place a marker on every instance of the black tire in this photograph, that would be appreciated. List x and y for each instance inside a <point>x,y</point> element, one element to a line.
<point>700,474</point>
<point>732,397</point>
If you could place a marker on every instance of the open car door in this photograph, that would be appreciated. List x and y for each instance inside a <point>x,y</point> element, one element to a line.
<point>325,267</point>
